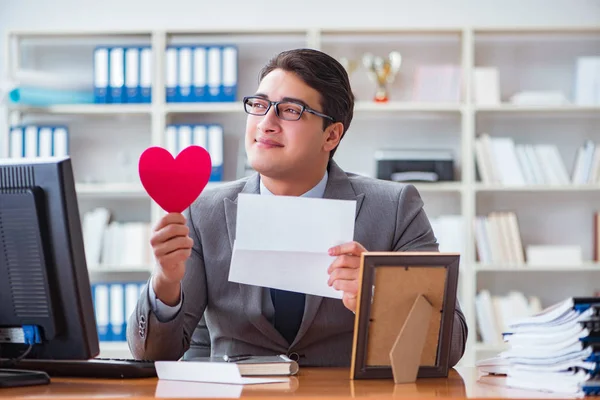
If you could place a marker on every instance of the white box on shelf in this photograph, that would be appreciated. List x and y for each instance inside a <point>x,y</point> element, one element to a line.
<point>486,86</point>
<point>554,255</point>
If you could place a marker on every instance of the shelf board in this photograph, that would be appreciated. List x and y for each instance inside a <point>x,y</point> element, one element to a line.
<point>438,187</point>
<point>211,107</point>
<point>537,188</point>
<point>513,108</point>
<point>87,109</point>
<point>132,190</point>
<point>586,267</point>
<point>362,106</point>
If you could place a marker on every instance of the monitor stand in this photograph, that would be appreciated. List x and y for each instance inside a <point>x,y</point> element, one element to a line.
<point>19,377</point>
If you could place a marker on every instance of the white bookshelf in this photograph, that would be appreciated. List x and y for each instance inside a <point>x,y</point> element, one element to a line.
<point>560,214</point>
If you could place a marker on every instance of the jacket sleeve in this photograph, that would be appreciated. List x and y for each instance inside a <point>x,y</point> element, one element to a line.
<point>151,339</point>
<point>414,233</point>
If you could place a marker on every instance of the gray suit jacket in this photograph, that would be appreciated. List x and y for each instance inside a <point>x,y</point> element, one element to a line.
<point>389,217</point>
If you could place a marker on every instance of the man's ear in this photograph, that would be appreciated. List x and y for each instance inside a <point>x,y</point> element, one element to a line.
<point>333,135</point>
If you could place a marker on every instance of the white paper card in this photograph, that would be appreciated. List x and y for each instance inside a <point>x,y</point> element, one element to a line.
<point>197,390</point>
<point>282,242</point>
<point>206,372</point>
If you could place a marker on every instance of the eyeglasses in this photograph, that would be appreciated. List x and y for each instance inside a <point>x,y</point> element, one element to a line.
<point>286,110</point>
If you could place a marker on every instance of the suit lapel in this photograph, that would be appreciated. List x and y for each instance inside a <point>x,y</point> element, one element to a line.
<point>339,188</point>
<point>250,294</point>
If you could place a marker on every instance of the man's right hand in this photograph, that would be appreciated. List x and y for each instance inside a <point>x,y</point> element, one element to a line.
<point>172,246</point>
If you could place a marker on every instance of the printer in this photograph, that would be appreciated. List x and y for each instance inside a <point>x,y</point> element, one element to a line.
<point>415,165</point>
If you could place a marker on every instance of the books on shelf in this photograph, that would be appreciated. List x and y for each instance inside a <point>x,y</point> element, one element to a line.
<point>113,303</point>
<point>555,350</point>
<point>32,141</point>
<point>501,161</point>
<point>498,239</point>
<point>587,164</point>
<point>123,74</point>
<point>197,73</point>
<point>113,243</point>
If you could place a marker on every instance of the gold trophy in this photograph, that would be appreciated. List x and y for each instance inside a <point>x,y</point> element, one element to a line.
<point>383,71</point>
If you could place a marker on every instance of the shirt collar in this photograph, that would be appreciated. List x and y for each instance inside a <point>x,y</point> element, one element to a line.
<point>317,191</point>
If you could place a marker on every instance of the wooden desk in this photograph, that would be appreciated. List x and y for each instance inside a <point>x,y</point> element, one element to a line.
<point>322,383</point>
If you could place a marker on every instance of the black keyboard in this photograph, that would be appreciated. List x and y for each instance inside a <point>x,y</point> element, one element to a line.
<point>94,368</point>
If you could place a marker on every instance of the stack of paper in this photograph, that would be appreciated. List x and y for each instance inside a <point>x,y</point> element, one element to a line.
<point>556,350</point>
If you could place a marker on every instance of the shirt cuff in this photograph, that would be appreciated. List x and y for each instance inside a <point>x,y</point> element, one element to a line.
<point>163,312</point>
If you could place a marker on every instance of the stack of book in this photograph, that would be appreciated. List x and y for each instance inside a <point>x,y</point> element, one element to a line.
<point>556,350</point>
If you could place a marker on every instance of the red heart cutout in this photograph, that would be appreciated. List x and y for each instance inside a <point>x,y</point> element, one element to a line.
<point>174,183</point>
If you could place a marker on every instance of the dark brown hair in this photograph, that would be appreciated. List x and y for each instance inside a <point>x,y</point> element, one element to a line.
<point>323,73</point>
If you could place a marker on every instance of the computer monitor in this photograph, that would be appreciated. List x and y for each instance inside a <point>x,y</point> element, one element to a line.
<point>45,294</point>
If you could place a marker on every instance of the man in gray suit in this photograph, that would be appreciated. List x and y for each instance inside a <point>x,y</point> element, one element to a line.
<point>301,111</point>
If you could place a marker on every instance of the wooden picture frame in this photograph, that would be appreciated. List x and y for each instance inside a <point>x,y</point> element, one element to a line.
<point>391,282</point>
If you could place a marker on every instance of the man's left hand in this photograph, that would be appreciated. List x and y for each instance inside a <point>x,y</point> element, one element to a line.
<point>343,271</point>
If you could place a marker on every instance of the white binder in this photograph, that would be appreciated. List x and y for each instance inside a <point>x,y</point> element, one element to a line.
<point>117,312</point>
<point>214,73</point>
<point>16,143</point>
<point>200,77</point>
<point>215,149</point>
<point>101,310</point>
<point>145,74</point>
<point>31,141</point>
<point>60,142</point>
<point>185,137</point>
<point>45,141</point>
<point>171,139</point>
<point>184,83</point>
<point>132,75</point>
<point>117,74</point>
<point>171,78</point>
<point>101,75</point>
<point>201,136</point>
<point>230,73</point>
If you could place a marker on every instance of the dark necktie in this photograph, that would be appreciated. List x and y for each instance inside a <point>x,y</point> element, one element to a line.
<point>289,308</point>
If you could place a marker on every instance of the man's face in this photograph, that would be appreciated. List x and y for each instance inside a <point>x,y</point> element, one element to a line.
<point>277,148</point>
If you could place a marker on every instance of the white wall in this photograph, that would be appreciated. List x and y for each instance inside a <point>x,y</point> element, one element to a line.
<point>192,13</point>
